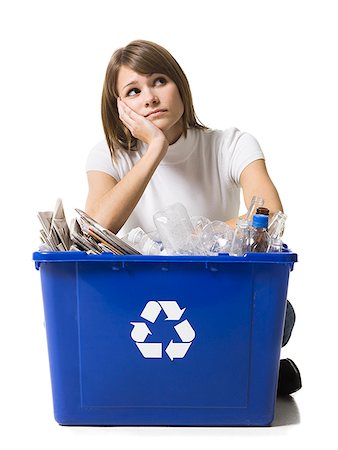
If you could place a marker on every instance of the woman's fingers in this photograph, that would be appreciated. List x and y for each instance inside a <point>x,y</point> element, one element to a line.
<point>125,117</point>
<point>130,118</point>
<point>121,109</point>
<point>128,112</point>
<point>139,126</point>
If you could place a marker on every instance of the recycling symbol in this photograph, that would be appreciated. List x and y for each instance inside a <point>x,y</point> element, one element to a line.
<point>173,312</point>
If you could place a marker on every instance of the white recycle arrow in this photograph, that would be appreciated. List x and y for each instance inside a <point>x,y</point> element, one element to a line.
<point>151,311</point>
<point>185,331</point>
<point>140,331</point>
<point>177,349</point>
<point>150,349</point>
<point>172,310</point>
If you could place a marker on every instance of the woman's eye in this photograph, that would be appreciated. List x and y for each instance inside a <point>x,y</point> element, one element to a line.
<point>132,92</point>
<point>160,81</point>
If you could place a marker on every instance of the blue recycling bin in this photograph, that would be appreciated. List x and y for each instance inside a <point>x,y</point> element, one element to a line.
<point>164,340</point>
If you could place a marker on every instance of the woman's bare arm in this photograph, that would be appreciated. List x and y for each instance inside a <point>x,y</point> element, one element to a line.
<point>255,180</point>
<point>109,202</point>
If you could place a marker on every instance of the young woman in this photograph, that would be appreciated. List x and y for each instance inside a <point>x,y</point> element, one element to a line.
<point>157,152</point>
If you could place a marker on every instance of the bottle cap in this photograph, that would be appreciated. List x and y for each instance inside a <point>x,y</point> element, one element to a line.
<point>262,210</point>
<point>260,221</point>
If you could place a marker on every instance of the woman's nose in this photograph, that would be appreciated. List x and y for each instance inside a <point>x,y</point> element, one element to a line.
<point>151,99</point>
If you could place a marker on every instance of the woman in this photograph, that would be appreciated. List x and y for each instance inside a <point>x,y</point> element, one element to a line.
<point>157,152</point>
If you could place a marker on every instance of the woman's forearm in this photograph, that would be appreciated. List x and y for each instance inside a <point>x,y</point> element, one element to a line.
<point>232,222</point>
<point>114,207</point>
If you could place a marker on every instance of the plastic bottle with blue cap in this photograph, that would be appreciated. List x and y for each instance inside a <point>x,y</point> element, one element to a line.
<point>260,239</point>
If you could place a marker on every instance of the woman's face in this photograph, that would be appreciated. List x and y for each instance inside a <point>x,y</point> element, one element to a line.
<point>145,94</point>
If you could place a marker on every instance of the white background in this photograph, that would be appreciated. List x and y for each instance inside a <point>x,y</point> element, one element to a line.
<point>266,67</point>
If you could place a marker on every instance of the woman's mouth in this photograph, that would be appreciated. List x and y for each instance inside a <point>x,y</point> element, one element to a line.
<point>157,113</point>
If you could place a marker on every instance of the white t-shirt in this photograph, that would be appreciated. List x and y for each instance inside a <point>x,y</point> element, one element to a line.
<point>200,171</point>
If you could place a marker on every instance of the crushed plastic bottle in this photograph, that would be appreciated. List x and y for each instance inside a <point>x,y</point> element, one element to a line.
<point>194,246</point>
<point>199,222</point>
<point>216,238</point>
<point>241,239</point>
<point>178,234</point>
<point>174,228</point>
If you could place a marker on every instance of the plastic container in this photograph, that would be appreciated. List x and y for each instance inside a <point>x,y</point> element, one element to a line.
<point>212,357</point>
<point>174,228</point>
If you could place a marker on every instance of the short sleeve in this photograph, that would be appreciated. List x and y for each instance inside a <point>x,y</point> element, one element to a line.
<point>243,150</point>
<point>99,158</point>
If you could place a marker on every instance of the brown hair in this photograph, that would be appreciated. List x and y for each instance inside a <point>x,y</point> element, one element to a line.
<point>144,57</point>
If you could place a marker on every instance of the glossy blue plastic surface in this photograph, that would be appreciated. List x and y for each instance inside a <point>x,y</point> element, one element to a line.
<point>228,376</point>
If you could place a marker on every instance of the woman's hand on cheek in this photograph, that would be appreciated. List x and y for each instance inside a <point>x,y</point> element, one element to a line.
<point>140,127</point>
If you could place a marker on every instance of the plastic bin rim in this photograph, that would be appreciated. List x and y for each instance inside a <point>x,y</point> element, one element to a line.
<point>285,257</point>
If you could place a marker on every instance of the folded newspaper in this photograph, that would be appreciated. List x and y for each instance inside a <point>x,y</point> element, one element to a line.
<point>84,234</point>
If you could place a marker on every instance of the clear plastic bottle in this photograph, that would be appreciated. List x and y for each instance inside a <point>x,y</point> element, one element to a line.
<point>174,228</point>
<point>149,247</point>
<point>256,202</point>
<point>194,245</point>
<point>216,238</point>
<point>260,239</point>
<point>277,223</point>
<point>276,230</point>
<point>199,222</point>
<point>275,245</point>
<point>134,236</point>
<point>241,239</point>
<point>138,239</point>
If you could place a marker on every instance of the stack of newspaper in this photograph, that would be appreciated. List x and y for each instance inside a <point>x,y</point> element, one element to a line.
<point>84,234</point>
<point>55,231</point>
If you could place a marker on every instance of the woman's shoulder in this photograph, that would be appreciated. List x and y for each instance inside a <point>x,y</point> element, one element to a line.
<point>229,137</point>
<point>116,163</point>
<point>213,132</point>
<point>100,148</point>
<point>99,159</point>
<point>99,152</point>
<point>219,137</point>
